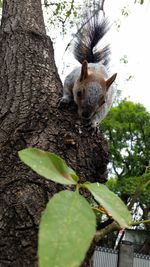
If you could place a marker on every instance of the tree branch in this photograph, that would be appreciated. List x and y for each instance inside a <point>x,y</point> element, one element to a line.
<point>136,193</point>
<point>105,231</point>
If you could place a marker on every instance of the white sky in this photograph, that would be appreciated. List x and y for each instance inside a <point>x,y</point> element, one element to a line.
<point>132,40</point>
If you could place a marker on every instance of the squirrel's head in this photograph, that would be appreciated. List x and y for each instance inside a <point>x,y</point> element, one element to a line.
<point>90,91</point>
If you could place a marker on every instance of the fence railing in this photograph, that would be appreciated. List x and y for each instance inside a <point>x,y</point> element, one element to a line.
<point>124,257</point>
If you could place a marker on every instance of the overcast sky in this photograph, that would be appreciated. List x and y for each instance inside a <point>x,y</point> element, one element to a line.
<point>131,40</point>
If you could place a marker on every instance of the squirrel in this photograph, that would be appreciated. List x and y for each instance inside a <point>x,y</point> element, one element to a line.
<point>89,85</point>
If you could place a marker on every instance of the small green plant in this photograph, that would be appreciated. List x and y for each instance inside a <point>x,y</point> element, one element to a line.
<point>68,224</point>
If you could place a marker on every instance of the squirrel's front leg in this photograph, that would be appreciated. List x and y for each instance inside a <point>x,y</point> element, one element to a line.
<point>67,97</point>
<point>91,124</point>
<point>67,91</point>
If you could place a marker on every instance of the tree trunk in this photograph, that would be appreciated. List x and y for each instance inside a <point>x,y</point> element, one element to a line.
<point>29,116</point>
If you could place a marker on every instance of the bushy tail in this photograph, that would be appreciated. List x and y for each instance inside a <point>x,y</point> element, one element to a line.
<point>91,32</point>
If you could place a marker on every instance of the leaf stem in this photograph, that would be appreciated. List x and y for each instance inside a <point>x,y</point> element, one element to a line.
<point>77,187</point>
<point>139,222</point>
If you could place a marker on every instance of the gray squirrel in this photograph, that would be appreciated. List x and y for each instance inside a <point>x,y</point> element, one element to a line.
<point>90,85</point>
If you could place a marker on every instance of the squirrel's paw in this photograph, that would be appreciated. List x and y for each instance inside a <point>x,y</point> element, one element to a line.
<point>92,126</point>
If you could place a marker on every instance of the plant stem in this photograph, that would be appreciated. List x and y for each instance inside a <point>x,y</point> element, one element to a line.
<point>139,222</point>
<point>110,228</point>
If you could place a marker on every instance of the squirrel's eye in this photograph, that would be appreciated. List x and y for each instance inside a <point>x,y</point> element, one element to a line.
<point>79,93</point>
<point>102,100</point>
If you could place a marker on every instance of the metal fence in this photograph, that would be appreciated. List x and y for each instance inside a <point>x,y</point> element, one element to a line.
<point>104,257</point>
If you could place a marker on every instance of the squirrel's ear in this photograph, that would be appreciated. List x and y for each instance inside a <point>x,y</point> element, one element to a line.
<point>84,71</point>
<point>110,80</point>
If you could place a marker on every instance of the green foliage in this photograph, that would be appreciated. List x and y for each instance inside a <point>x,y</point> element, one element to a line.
<point>61,14</point>
<point>124,59</point>
<point>49,165</point>
<point>111,203</point>
<point>125,12</point>
<point>64,15</point>
<point>67,228</point>
<point>54,168</point>
<point>128,131</point>
<point>128,185</point>
<point>127,128</point>
<point>68,224</point>
<point>141,2</point>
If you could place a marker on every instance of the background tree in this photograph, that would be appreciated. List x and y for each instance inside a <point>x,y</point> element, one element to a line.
<point>29,116</point>
<point>128,131</point>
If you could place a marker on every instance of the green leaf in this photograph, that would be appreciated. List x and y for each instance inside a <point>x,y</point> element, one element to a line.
<point>66,230</point>
<point>48,165</point>
<point>111,202</point>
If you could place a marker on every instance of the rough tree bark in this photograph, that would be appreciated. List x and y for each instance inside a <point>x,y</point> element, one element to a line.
<point>30,89</point>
